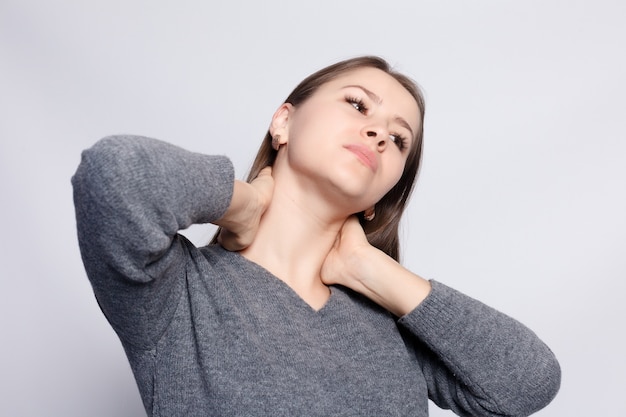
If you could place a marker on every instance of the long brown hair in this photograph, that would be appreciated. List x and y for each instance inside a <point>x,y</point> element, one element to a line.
<point>382,231</point>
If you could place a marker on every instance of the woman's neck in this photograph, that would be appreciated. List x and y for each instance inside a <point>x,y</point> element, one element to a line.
<point>294,237</point>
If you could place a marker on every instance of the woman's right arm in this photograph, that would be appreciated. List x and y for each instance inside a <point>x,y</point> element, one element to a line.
<point>132,195</point>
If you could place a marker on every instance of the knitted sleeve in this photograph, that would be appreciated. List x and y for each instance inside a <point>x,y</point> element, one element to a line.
<point>478,361</point>
<point>132,195</point>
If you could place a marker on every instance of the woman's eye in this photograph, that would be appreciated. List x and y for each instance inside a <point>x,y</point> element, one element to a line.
<point>399,140</point>
<point>357,104</point>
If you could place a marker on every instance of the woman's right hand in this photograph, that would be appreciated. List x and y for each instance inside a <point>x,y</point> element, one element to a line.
<point>241,221</point>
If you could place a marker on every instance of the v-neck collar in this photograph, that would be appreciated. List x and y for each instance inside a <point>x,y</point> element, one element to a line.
<point>283,287</point>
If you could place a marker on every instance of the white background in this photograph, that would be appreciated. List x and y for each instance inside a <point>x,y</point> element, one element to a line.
<point>520,203</point>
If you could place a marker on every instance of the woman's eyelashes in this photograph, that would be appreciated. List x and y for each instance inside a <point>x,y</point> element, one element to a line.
<point>360,106</point>
<point>399,140</point>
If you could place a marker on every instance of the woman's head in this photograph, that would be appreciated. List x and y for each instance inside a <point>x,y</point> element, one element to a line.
<point>382,231</point>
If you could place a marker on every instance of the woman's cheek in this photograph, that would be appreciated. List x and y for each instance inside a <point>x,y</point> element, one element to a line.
<point>398,172</point>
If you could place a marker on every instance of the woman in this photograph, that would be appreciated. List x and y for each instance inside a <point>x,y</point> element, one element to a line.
<point>302,307</point>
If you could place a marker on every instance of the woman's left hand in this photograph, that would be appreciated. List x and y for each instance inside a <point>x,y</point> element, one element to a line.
<point>344,262</point>
<point>354,263</point>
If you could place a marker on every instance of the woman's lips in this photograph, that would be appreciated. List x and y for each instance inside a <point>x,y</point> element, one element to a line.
<point>364,154</point>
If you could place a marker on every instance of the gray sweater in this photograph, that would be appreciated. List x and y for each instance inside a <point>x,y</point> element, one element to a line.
<point>209,333</point>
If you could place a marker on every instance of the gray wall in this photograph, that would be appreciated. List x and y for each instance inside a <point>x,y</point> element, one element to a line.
<point>521,201</point>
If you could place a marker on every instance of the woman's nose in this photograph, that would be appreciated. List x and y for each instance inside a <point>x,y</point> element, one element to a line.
<point>381,143</point>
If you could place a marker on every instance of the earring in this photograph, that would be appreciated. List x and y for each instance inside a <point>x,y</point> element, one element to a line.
<point>369,214</point>
<point>276,142</point>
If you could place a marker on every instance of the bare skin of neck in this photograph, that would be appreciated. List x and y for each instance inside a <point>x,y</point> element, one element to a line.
<point>293,239</point>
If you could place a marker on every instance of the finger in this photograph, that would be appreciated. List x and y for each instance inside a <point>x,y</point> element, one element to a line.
<point>352,225</point>
<point>264,183</point>
<point>352,231</point>
<point>267,171</point>
<point>229,241</point>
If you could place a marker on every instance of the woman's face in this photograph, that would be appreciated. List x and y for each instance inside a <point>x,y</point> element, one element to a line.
<point>352,137</point>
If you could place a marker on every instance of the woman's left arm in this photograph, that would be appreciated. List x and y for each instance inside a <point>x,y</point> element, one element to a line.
<point>475,359</point>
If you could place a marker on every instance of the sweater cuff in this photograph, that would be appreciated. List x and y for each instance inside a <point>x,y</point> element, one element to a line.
<point>442,313</point>
<point>215,172</point>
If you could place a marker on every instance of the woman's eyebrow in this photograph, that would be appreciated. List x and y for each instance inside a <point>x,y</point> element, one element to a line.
<point>374,97</point>
<point>369,93</point>
<point>404,124</point>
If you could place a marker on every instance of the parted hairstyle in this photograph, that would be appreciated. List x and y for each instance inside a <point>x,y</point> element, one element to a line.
<point>382,231</point>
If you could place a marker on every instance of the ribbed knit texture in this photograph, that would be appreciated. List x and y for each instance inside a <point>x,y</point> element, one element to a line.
<point>209,333</point>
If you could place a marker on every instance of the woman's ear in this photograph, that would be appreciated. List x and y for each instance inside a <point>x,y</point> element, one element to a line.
<point>279,126</point>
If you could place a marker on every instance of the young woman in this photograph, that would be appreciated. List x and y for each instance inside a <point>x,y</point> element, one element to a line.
<point>300,307</point>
